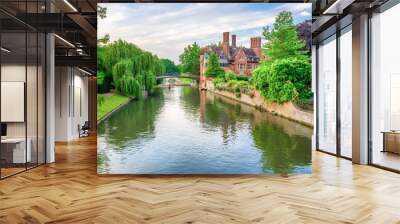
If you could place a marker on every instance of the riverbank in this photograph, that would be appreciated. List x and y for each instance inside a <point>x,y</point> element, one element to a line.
<point>287,110</point>
<point>111,101</point>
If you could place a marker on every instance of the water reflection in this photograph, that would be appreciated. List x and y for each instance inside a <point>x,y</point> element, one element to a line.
<point>183,130</point>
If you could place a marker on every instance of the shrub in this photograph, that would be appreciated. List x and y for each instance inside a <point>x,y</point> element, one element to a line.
<point>284,80</point>
<point>230,82</point>
<point>242,78</point>
<point>237,92</point>
<point>230,76</point>
<point>103,82</point>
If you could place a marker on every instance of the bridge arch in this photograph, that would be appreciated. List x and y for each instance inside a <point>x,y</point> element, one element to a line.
<point>195,77</point>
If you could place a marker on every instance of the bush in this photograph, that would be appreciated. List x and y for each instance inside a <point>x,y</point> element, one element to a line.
<point>237,92</point>
<point>103,82</point>
<point>284,80</point>
<point>229,83</point>
<point>242,78</point>
<point>230,76</point>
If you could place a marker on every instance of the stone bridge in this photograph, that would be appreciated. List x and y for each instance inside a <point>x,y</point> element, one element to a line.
<point>164,76</point>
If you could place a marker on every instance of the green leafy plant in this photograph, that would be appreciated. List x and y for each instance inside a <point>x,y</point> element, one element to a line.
<point>190,59</point>
<point>230,76</point>
<point>127,68</point>
<point>230,82</point>
<point>238,94</point>
<point>213,67</point>
<point>285,73</point>
<point>169,66</point>
<point>282,40</point>
<point>284,80</point>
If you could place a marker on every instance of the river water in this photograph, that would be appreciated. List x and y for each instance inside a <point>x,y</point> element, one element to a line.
<point>186,131</point>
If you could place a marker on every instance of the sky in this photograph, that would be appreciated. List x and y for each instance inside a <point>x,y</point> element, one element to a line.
<point>165,29</point>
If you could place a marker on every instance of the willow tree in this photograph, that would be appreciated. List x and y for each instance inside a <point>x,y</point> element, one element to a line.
<point>133,70</point>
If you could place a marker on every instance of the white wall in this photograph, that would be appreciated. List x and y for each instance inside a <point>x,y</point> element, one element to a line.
<point>71,94</point>
<point>33,126</point>
<point>62,81</point>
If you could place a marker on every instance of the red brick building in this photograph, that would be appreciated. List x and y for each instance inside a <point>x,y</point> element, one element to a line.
<point>240,60</point>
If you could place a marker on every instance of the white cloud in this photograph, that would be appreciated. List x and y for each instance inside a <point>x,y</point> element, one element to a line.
<point>305,13</point>
<point>165,29</point>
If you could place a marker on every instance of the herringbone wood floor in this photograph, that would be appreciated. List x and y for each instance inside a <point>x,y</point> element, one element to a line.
<point>70,191</point>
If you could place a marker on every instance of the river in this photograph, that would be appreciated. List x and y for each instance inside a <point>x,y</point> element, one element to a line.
<point>186,131</point>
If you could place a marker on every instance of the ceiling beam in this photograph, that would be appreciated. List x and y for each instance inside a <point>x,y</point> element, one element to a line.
<point>79,61</point>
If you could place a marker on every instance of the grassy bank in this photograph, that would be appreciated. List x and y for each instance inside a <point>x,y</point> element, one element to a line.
<point>110,102</point>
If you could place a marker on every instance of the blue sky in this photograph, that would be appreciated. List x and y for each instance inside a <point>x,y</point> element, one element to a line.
<point>165,29</point>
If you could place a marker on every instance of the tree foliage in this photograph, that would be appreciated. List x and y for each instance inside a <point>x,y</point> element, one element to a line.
<point>169,66</point>
<point>190,59</point>
<point>304,32</point>
<point>282,40</point>
<point>284,80</point>
<point>213,67</point>
<point>285,74</point>
<point>101,12</point>
<point>129,68</point>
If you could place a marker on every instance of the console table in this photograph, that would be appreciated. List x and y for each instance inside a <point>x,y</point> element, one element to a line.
<point>391,141</point>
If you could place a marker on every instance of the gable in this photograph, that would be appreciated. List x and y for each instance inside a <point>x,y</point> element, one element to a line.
<point>241,57</point>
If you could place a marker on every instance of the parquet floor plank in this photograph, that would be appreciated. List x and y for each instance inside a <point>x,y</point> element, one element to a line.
<point>70,191</point>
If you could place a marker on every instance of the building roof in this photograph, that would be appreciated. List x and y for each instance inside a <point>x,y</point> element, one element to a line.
<point>250,54</point>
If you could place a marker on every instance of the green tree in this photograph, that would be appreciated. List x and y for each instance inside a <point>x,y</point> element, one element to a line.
<point>104,79</point>
<point>285,74</point>
<point>181,68</point>
<point>128,68</point>
<point>213,67</point>
<point>190,59</point>
<point>282,40</point>
<point>169,66</point>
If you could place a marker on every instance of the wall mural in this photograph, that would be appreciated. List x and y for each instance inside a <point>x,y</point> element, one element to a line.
<point>189,88</point>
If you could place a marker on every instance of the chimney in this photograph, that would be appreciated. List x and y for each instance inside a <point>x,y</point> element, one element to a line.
<point>225,44</point>
<point>234,40</point>
<point>255,44</point>
<point>225,38</point>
